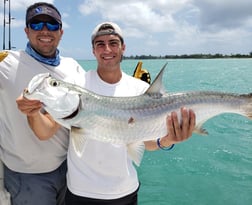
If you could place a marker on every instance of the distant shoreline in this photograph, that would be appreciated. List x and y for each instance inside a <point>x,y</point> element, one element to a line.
<point>191,56</point>
<point>184,56</point>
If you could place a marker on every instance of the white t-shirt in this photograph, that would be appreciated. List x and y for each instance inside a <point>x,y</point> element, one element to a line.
<point>105,170</point>
<point>20,149</point>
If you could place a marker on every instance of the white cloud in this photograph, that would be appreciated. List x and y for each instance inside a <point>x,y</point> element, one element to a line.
<point>194,24</point>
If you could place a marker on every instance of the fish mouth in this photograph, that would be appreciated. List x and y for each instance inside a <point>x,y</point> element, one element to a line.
<point>36,82</point>
<point>25,92</point>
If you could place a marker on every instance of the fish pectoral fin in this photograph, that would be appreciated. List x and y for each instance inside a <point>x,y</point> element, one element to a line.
<point>136,151</point>
<point>77,136</point>
<point>200,130</point>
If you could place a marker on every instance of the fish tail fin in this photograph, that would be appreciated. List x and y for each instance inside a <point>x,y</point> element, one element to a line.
<point>200,130</point>
<point>247,108</point>
<point>78,139</point>
<point>136,151</point>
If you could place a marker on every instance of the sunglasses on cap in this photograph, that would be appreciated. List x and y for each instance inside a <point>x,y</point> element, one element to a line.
<point>40,25</point>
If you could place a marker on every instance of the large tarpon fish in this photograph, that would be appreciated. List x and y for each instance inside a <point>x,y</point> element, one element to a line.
<point>128,120</point>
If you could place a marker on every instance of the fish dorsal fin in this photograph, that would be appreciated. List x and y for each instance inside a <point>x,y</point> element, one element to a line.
<point>157,86</point>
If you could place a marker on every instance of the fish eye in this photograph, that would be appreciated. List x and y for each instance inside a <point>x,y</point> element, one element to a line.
<point>54,83</point>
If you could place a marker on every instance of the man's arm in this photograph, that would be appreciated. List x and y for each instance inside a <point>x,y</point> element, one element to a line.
<point>41,124</point>
<point>177,132</point>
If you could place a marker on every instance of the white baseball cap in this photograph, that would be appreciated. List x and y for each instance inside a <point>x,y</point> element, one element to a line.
<point>107,28</point>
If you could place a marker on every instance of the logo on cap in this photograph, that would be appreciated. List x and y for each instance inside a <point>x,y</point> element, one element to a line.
<point>38,10</point>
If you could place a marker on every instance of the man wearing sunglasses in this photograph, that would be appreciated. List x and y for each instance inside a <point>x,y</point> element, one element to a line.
<point>34,170</point>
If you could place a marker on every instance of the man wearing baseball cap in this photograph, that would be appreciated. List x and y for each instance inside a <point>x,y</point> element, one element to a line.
<point>43,9</point>
<point>107,28</point>
<point>34,170</point>
<point>105,174</point>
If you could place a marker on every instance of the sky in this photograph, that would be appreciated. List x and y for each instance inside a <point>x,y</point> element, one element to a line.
<point>160,27</point>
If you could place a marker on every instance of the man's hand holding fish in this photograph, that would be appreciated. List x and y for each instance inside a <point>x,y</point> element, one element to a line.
<point>33,109</point>
<point>28,107</point>
<point>177,131</point>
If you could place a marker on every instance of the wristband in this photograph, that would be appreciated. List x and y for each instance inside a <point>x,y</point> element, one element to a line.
<point>164,148</point>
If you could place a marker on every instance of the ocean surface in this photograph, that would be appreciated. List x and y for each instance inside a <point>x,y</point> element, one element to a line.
<point>204,170</point>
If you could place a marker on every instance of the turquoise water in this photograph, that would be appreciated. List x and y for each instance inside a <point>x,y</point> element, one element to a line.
<point>210,170</point>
